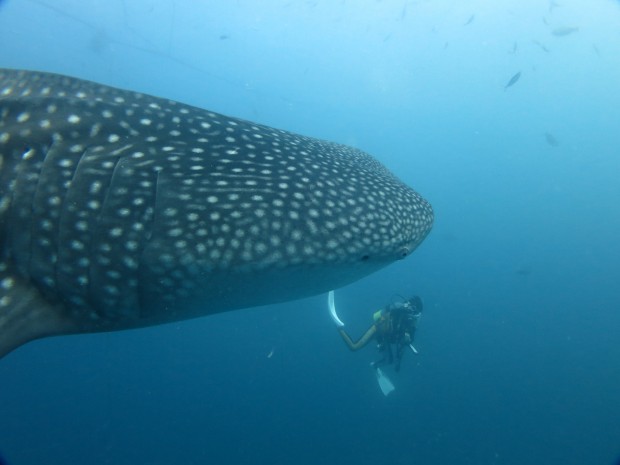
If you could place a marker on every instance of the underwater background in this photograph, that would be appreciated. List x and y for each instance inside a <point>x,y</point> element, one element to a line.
<point>519,353</point>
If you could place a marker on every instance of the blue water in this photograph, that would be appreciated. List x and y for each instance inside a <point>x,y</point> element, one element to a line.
<point>519,351</point>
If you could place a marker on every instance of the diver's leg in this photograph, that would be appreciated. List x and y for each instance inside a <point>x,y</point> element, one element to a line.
<point>400,350</point>
<point>381,361</point>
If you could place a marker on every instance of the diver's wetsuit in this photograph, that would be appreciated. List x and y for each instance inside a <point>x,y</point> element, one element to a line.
<point>396,325</point>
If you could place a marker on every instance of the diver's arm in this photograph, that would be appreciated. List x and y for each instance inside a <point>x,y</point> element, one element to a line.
<point>362,340</point>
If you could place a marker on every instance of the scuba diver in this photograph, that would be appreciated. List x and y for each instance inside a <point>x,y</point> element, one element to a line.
<point>393,328</point>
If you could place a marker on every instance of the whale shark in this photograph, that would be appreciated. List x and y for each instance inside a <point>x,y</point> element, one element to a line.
<point>122,210</point>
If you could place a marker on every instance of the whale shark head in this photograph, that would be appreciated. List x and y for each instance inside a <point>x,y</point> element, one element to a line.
<point>121,210</point>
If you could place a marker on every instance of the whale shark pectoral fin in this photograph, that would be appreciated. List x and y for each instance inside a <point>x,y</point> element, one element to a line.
<point>25,315</point>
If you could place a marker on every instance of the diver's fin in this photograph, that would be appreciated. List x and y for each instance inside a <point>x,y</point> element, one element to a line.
<point>24,314</point>
<point>384,382</point>
<point>332,309</point>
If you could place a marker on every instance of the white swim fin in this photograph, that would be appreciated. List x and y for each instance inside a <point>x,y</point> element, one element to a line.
<point>332,309</point>
<point>384,382</point>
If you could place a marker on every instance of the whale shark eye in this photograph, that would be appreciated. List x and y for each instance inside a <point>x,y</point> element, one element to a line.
<point>365,258</point>
<point>404,252</point>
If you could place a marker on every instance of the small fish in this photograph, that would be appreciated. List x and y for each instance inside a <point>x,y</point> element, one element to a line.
<point>552,6</point>
<point>524,271</point>
<point>513,80</point>
<point>270,354</point>
<point>224,37</point>
<point>551,140</point>
<point>470,20</point>
<point>513,51</point>
<point>543,48</point>
<point>448,236</point>
<point>403,13</point>
<point>564,31</point>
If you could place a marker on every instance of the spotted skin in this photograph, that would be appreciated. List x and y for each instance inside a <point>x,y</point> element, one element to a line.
<point>121,210</point>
